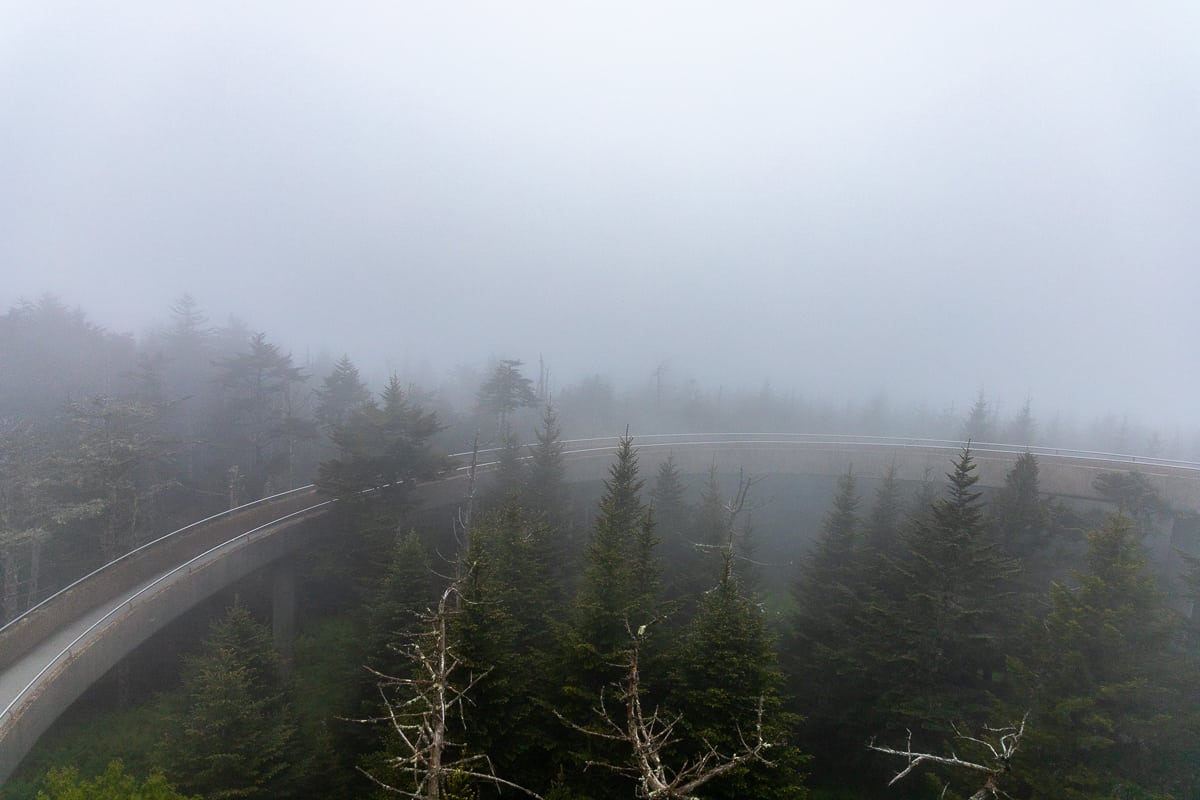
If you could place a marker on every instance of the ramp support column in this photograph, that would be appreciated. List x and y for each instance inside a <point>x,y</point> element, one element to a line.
<point>283,608</point>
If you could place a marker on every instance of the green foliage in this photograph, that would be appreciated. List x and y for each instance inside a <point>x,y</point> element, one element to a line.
<point>24,517</point>
<point>508,476</point>
<point>684,566</point>
<point>826,658</point>
<point>341,393</point>
<point>91,741</point>
<point>408,589</point>
<point>618,593</point>
<point>260,420</point>
<point>505,391</point>
<point>504,629</point>
<point>980,425</point>
<point>236,732</point>
<point>946,634</point>
<point>1133,495</point>
<point>722,669</point>
<point>382,445</point>
<point>115,473</point>
<point>113,784</point>
<point>620,572</point>
<point>1104,681</point>
<point>545,489</point>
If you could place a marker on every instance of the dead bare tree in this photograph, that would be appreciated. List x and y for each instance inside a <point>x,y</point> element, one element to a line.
<point>421,711</point>
<point>649,736</point>
<point>1003,745</point>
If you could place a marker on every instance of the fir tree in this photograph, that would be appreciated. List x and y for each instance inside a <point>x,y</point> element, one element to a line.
<point>724,672</point>
<point>261,420</point>
<point>505,391</point>
<point>504,629</point>
<point>508,476</point>
<point>682,574</point>
<point>236,733</point>
<point>618,591</point>
<point>546,490</point>
<point>341,393</point>
<point>945,633</point>
<point>1102,678</point>
<point>827,669</point>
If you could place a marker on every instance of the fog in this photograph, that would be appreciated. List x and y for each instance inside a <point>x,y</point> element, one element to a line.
<point>929,199</point>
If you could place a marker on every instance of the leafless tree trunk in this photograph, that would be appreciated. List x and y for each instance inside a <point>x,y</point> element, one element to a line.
<point>421,709</point>
<point>650,736</point>
<point>1002,746</point>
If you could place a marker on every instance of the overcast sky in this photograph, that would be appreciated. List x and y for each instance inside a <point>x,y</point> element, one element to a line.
<point>931,198</point>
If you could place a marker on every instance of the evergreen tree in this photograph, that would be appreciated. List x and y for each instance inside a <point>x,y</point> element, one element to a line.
<point>504,630</point>
<point>342,392</point>
<point>827,669</point>
<point>114,475</point>
<point>236,734</point>
<point>700,562</point>
<point>260,421</point>
<point>383,446</point>
<point>24,522</point>
<point>1102,679</point>
<point>508,476</point>
<point>942,640</point>
<point>1133,495</point>
<point>1018,511</point>
<point>1023,429</point>
<point>669,500</point>
<point>1025,524</point>
<point>547,496</point>
<point>505,391</point>
<point>722,673</point>
<point>408,588</point>
<point>882,528</point>
<point>980,425</point>
<point>113,784</point>
<point>618,592</point>
<point>546,490</point>
<point>682,572</point>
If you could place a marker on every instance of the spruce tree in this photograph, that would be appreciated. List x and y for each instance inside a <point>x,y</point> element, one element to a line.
<point>942,639</point>
<point>1102,679</point>
<point>341,393</point>
<point>546,490</point>
<point>705,540</point>
<point>826,665</point>
<point>682,562</point>
<point>548,497</point>
<point>236,734</point>
<point>261,419</point>
<point>504,630</point>
<point>508,475</point>
<point>722,672</point>
<point>618,593</point>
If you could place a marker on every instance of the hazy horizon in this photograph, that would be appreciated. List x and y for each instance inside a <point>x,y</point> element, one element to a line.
<point>837,200</point>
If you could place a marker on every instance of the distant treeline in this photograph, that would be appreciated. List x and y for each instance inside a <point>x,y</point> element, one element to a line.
<point>548,642</point>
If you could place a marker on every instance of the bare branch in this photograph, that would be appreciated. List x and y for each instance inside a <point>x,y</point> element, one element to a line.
<point>421,708</point>
<point>650,735</point>
<point>1003,745</point>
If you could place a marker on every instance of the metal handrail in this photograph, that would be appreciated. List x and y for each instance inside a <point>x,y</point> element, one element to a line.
<point>682,439</point>
<point>142,548</point>
<point>66,653</point>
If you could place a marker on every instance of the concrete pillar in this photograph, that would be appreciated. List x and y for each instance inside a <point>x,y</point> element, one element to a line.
<point>283,608</point>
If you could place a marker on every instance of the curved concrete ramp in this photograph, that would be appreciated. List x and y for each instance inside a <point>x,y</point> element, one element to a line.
<point>40,684</point>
